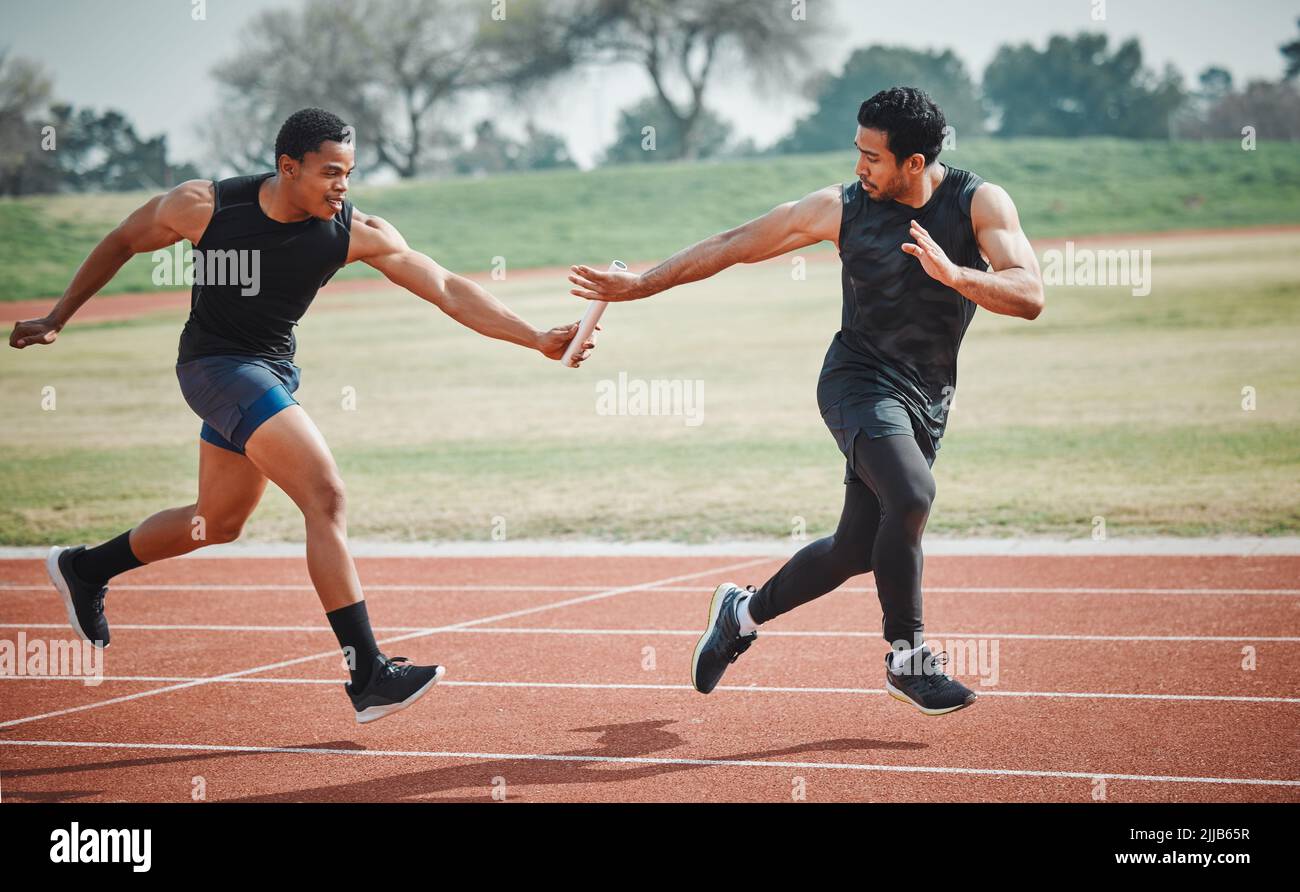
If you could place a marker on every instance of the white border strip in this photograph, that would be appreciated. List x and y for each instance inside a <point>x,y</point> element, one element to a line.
<point>774,548</point>
<point>648,760</point>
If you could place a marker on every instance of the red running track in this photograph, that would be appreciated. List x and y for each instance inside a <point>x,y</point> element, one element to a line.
<point>1132,678</point>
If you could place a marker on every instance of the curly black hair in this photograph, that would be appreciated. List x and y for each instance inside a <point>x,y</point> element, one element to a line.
<point>910,120</point>
<point>304,131</point>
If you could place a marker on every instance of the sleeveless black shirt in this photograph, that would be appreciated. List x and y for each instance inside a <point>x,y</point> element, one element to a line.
<point>254,277</point>
<point>901,329</point>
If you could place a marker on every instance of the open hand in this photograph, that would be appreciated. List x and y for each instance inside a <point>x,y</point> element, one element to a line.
<point>933,260</point>
<point>609,285</point>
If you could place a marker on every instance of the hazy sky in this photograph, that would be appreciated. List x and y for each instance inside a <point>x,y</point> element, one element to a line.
<point>150,59</point>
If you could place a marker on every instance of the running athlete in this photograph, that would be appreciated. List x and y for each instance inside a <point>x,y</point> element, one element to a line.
<point>916,239</point>
<point>278,237</point>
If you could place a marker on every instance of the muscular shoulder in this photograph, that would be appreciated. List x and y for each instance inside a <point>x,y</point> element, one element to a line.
<point>992,207</point>
<point>371,236</point>
<point>818,213</point>
<point>187,208</point>
<point>991,199</point>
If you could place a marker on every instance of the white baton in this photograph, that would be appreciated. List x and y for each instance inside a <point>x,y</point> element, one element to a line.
<point>589,319</point>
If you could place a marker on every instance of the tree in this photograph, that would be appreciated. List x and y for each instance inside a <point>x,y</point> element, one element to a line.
<point>101,152</point>
<point>24,94</point>
<point>544,151</point>
<point>1272,109</point>
<point>394,69</point>
<point>1215,83</point>
<point>646,132</point>
<point>1074,87</point>
<point>494,152</point>
<point>1291,52</point>
<point>681,45</point>
<point>50,148</point>
<point>875,68</point>
<point>1192,119</point>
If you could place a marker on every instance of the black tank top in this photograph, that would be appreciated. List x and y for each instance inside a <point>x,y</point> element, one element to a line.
<point>901,329</point>
<point>288,263</point>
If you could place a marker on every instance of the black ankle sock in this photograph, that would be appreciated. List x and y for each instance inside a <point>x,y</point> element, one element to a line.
<point>98,565</point>
<point>351,625</point>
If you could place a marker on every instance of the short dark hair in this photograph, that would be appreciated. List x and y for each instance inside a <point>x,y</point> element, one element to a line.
<point>910,120</point>
<point>304,131</point>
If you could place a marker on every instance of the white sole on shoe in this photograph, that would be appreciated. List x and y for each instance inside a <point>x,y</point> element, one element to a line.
<point>715,605</point>
<point>61,586</point>
<point>374,713</point>
<point>899,695</point>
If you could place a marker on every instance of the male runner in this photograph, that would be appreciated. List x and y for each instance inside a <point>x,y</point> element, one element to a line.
<point>910,233</point>
<point>294,229</point>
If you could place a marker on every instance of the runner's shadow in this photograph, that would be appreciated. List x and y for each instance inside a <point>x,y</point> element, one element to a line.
<point>183,792</point>
<point>597,764</point>
<point>49,795</point>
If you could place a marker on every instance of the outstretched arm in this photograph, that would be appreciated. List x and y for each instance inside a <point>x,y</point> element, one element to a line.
<point>1015,287</point>
<point>163,220</point>
<point>376,242</point>
<point>787,227</point>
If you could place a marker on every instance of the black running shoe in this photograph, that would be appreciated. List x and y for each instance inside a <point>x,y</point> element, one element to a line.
<point>83,601</point>
<point>721,642</point>
<point>923,684</point>
<point>395,683</point>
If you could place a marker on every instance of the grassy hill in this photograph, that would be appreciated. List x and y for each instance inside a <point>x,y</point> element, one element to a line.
<point>642,212</point>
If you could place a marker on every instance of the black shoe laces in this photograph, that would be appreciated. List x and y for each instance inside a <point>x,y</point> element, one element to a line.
<point>742,642</point>
<point>392,670</point>
<point>742,645</point>
<point>938,678</point>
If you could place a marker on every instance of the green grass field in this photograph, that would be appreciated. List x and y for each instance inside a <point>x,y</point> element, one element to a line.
<point>1111,405</point>
<point>1062,188</point>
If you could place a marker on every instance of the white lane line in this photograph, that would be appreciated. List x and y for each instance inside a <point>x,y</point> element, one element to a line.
<point>649,760</point>
<point>686,633</point>
<point>608,593</point>
<point>642,686</point>
<point>480,587</point>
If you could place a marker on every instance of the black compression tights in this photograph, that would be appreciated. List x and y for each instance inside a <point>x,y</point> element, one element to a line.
<point>880,530</point>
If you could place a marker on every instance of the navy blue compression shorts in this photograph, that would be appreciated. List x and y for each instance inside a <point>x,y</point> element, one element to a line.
<point>234,395</point>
